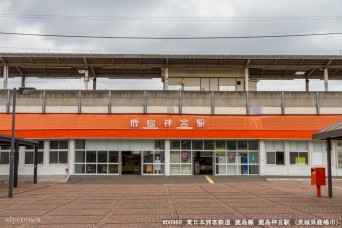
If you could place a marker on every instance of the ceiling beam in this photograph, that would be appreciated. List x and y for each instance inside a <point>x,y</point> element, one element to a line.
<point>45,72</point>
<point>138,66</point>
<point>85,62</point>
<point>328,63</point>
<point>248,62</point>
<point>301,62</point>
<point>57,60</point>
<point>4,61</point>
<point>93,71</point>
<point>20,71</point>
<point>30,60</point>
<point>310,72</point>
<point>335,72</point>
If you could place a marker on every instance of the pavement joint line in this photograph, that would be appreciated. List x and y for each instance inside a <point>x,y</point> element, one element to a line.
<point>47,195</point>
<point>5,196</point>
<point>171,202</point>
<point>223,203</point>
<point>105,218</point>
<point>209,179</point>
<point>307,213</point>
<point>83,196</point>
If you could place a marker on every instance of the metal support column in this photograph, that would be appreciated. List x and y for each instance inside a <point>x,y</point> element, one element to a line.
<point>11,172</point>
<point>317,104</point>
<point>212,102</point>
<point>109,101</point>
<point>94,83</point>
<point>165,72</point>
<point>16,164</point>
<point>145,101</point>
<point>247,103</point>
<point>307,84</point>
<point>35,165</point>
<point>8,101</point>
<point>79,101</point>
<point>282,103</point>
<point>326,87</point>
<point>86,79</point>
<point>180,101</point>
<point>23,81</point>
<point>44,102</point>
<point>5,75</point>
<point>246,78</point>
<point>329,167</point>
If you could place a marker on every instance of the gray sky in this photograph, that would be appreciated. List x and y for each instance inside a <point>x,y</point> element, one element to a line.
<point>169,18</point>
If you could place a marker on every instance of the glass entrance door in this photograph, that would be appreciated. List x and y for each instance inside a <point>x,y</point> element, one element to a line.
<point>203,163</point>
<point>131,162</point>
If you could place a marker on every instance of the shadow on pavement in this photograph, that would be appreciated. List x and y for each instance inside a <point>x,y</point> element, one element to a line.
<point>137,179</point>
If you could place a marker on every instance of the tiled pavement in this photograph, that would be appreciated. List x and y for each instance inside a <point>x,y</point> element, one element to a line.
<point>139,205</point>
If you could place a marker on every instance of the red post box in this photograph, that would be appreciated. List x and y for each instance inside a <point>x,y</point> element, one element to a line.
<point>318,178</point>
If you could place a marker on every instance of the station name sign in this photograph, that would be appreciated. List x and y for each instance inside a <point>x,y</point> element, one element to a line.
<point>167,123</point>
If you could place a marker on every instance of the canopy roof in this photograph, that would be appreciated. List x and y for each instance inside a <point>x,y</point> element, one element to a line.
<point>5,140</point>
<point>150,65</point>
<point>333,131</point>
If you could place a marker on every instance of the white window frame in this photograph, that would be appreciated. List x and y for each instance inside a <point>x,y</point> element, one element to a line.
<point>59,150</point>
<point>275,151</point>
<point>307,163</point>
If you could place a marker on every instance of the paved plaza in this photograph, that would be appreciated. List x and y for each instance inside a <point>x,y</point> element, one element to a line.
<point>179,200</point>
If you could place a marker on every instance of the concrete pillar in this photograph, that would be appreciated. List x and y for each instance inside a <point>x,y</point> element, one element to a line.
<point>71,158</point>
<point>5,76</point>
<point>46,158</point>
<point>86,79</point>
<point>262,157</point>
<point>307,85</point>
<point>167,157</point>
<point>246,78</point>
<point>23,81</point>
<point>326,88</point>
<point>94,83</point>
<point>165,74</point>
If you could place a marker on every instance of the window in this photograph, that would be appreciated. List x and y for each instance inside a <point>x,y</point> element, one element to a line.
<point>102,161</point>
<point>4,154</point>
<point>192,88</point>
<point>181,156</point>
<point>29,154</point>
<point>299,153</point>
<point>319,156</point>
<point>227,88</point>
<point>236,157</point>
<point>275,154</point>
<point>58,151</point>
<point>153,162</point>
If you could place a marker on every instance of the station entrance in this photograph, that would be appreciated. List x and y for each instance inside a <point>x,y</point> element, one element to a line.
<point>203,163</point>
<point>131,162</point>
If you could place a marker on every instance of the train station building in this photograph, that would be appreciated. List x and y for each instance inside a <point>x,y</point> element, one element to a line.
<point>209,117</point>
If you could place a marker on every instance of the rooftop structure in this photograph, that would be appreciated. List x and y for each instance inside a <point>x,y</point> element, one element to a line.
<point>199,72</point>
